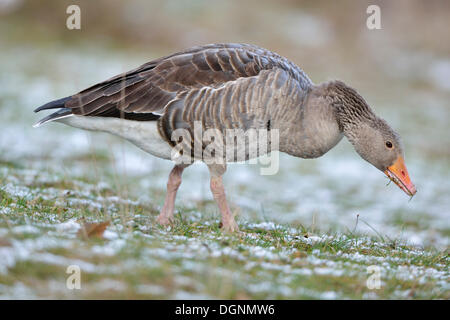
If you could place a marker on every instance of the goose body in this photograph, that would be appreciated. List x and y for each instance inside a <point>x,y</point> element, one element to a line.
<point>227,87</point>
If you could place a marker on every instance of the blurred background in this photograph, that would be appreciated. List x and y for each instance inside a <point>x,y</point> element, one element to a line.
<point>402,70</point>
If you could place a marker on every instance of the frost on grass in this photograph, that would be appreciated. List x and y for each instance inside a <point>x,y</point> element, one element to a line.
<point>192,258</point>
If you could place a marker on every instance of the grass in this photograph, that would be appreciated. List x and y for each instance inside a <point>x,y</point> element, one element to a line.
<point>193,258</point>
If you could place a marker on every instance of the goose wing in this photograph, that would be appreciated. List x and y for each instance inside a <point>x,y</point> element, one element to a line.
<point>146,91</point>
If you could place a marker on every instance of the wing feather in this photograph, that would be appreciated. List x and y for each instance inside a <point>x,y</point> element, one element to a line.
<point>150,87</point>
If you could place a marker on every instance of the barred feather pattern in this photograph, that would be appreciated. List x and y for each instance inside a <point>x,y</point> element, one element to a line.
<point>247,103</point>
<point>153,85</point>
<point>349,105</point>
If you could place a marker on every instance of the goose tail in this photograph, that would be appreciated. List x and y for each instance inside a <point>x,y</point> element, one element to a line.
<point>61,113</point>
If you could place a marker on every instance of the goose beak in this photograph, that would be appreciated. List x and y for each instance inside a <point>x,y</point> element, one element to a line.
<point>398,173</point>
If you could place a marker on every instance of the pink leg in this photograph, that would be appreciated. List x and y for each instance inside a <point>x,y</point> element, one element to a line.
<point>166,214</point>
<point>218,192</point>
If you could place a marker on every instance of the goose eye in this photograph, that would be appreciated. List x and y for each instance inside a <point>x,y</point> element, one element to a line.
<point>389,144</point>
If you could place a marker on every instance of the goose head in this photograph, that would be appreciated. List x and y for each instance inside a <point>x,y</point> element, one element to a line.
<point>373,139</point>
<point>376,142</point>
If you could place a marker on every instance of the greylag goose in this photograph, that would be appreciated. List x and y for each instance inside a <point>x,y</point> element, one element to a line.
<point>231,86</point>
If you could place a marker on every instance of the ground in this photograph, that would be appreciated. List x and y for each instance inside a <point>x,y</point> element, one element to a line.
<point>39,240</point>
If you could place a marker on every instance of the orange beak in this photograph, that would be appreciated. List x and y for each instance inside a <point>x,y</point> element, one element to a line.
<point>398,173</point>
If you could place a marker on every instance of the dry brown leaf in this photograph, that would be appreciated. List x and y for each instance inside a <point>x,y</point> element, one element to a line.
<point>299,254</point>
<point>242,296</point>
<point>93,230</point>
<point>5,242</point>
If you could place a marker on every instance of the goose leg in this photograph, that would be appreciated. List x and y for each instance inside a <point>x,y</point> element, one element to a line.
<point>218,191</point>
<point>166,214</point>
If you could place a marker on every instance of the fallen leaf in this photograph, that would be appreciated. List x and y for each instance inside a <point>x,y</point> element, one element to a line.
<point>92,230</point>
<point>299,254</point>
<point>5,242</point>
<point>242,296</point>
